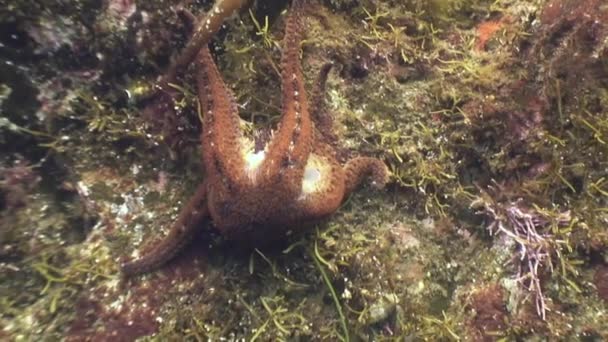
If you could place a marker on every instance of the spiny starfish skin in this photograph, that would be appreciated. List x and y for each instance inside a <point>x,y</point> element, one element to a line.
<point>260,196</point>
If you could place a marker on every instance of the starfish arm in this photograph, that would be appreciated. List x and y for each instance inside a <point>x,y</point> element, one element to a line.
<point>179,235</point>
<point>221,135</point>
<point>357,169</point>
<point>291,145</point>
<point>321,118</point>
<point>204,29</point>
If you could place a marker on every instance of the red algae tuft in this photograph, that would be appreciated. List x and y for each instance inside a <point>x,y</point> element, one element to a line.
<point>601,282</point>
<point>489,313</point>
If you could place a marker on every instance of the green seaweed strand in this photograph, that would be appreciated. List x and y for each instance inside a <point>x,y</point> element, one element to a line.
<point>318,259</point>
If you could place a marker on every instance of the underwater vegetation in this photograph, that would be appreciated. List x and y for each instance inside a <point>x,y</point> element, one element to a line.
<point>492,117</point>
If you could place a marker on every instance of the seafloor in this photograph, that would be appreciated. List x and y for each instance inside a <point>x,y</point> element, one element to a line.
<point>491,115</point>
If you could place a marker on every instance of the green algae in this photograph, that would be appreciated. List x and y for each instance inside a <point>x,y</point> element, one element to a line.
<point>464,128</point>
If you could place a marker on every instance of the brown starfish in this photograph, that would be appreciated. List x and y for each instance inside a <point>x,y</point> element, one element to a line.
<point>260,196</point>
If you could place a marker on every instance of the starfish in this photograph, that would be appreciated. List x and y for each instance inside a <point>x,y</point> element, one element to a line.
<point>260,196</point>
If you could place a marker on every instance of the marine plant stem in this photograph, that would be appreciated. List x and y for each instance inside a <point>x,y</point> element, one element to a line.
<point>318,259</point>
